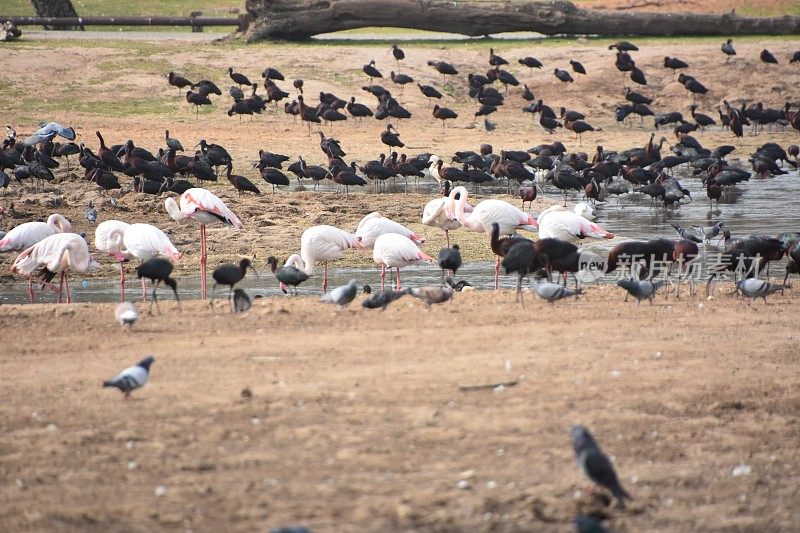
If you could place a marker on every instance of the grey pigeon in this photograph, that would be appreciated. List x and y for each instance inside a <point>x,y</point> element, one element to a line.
<point>709,233</point>
<point>126,314</point>
<point>342,295</point>
<point>551,292</point>
<point>595,464</point>
<point>132,377</point>
<point>686,234</point>
<point>241,301</point>
<point>383,299</point>
<point>91,212</point>
<point>758,288</point>
<point>432,295</point>
<point>290,529</point>
<point>589,524</point>
<point>640,289</point>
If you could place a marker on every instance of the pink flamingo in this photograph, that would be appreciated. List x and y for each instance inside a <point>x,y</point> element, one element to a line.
<point>393,250</point>
<point>27,234</point>
<point>325,243</point>
<point>144,242</point>
<point>374,225</point>
<point>441,213</point>
<point>57,254</point>
<point>558,223</point>
<point>108,238</point>
<point>204,207</point>
<point>509,218</point>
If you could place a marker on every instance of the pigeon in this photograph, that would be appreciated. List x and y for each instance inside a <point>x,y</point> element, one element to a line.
<point>711,232</point>
<point>241,301</point>
<point>132,377</point>
<point>290,529</point>
<point>551,292</point>
<point>47,132</point>
<point>432,295</point>
<point>383,299</point>
<point>450,259</point>
<point>126,314</point>
<point>595,464</point>
<point>11,133</point>
<point>640,289</point>
<point>686,234</point>
<point>91,212</point>
<point>589,524</point>
<point>341,296</point>
<point>489,125</point>
<point>758,288</point>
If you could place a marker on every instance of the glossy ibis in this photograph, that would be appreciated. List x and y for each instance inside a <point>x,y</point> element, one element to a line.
<point>527,94</point>
<point>240,108</point>
<point>623,46</point>
<point>530,62</point>
<point>450,259</point>
<point>391,137</point>
<point>240,183</point>
<point>728,49</point>
<point>370,70</point>
<point>637,76</point>
<point>307,114</point>
<point>107,156</point>
<point>444,69</point>
<point>356,110</point>
<point>522,259</point>
<point>298,84</point>
<point>674,63</point>
<point>767,57</point>
<point>238,78</point>
<point>429,92</point>
<point>398,54</point>
<point>230,274</point>
<point>197,100</point>
<point>443,113</point>
<point>495,60</point>
<point>288,275</point>
<point>158,270</point>
<point>178,81</point>
<point>206,87</point>
<point>527,194</point>
<point>700,119</point>
<point>348,178</point>
<point>577,67</point>
<point>563,75</point>
<point>270,73</point>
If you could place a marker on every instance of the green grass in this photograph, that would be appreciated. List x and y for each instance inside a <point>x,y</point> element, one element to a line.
<point>108,8</point>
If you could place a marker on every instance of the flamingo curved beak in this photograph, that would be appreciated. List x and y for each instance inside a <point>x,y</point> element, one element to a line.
<point>609,235</point>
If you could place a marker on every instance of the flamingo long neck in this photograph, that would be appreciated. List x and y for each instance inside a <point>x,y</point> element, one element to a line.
<point>174,211</point>
<point>59,223</point>
<point>306,264</point>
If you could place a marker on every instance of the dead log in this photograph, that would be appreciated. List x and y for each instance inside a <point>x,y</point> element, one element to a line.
<point>301,19</point>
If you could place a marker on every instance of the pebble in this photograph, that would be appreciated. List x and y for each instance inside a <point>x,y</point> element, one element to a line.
<point>160,490</point>
<point>52,427</point>
<point>741,470</point>
<point>463,484</point>
<point>132,465</point>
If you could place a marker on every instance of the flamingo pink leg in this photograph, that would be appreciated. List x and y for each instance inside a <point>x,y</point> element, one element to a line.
<point>447,237</point>
<point>203,260</point>
<point>66,284</point>
<point>30,289</point>
<point>60,286</point>
<point>144,290</point>
<point>121,282</point>
<point>325,279</point>
<point>398,277</point>
<point>497,273</point>
<point>383,276</point>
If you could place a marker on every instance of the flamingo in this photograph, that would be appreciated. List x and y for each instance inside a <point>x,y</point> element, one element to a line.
<point>204,207</point>
<point>558,223</point>
<point>374,225</point>
<point>440,213</point>
<point>27,234</point>
<point>325,243</point>
<point>108,237</point>
<point>144,242</point>
<point>393,250</point>
<point>507,217</point>
<point>56,254</point>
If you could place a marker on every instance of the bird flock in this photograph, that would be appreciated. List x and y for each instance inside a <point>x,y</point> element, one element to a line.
<point>53,248</point>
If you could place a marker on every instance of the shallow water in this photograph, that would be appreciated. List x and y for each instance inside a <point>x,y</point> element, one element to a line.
<point>760,206</point>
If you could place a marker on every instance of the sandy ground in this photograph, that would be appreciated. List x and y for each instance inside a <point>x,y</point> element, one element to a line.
<point>356,422</point>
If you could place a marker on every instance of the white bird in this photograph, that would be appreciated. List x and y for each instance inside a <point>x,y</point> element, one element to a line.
<point>204,207</point>
<point>556,222</point>
<point>393,250</point>
<point>57,254</point>
<point>126,314</point>
<point>132,377</point>
<point>325,243</point>
<point>487,212</point>
<point>374,225</point>
<point>27,234</point>
<point>145,241</point>
<point>108,238</point>
<point>585,210</point>
<point>47,132</point>
<point>441,213</point>
<point>433,170</point>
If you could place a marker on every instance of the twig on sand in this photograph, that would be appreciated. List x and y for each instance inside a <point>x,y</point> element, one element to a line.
<point>465,388</point>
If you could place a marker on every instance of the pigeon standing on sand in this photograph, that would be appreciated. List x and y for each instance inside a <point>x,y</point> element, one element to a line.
<point>126,314</point>
<point>91,212</point>
<point>595,464</point>
<point>342,295</point>
<point>432,295</point>
<point>241,301</point>
<point>132,377</point>
<point>383,299</point>
<point>551,292</point>
<point>758,288</point>
<point>640,289</point>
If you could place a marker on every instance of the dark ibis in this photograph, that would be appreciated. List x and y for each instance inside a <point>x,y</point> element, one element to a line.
<point>767,57</point>
<point>443,113</point>
<point>429,92</point>
<point>288,275</point>
<point>443,68</point>
<point>450,259</point>
<point>240,183</point>
<point>270,73</point>
<point>523,259</point>
<point>624,46</point>
<point>206,87</point>
<point>637,76</point>
<point>197,100</point>
<point>298,84</point>
<point>370,70</point>
<point>563,75</point>
<point>398,54</point>
<point>230,274</point>
<point>577,67</point>
<point>239,79</point>
<point>674,63</point>
<point>158,270</point>
<point>495,60</point>
<point>530,62</point>
<point>391,137</point>
<point>728,49</point>
<point>178,81</point>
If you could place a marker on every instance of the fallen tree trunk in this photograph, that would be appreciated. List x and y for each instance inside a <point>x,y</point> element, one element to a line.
<point>295,20</point>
